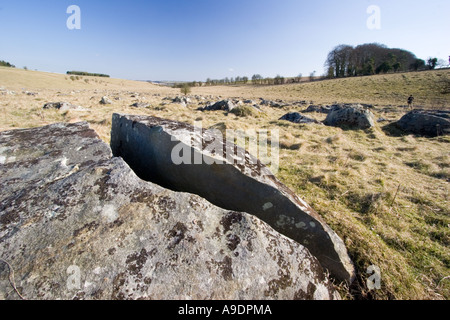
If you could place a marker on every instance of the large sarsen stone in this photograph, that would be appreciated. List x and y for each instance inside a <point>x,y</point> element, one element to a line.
<point>76,223</point>
<point>147,144</point>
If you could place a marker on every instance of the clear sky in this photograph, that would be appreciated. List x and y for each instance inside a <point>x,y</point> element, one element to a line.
<point>195,39</point>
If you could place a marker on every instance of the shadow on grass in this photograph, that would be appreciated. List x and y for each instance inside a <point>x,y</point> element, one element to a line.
<point>393,131</point>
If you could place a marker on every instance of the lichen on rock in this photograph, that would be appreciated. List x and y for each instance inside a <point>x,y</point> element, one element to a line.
<point>101,232</point>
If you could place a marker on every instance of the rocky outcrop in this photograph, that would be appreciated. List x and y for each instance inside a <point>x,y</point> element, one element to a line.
<point>296,117</point>
<point>162,151</point>
<point>77,223</point>
<point>426,122</point>
<point>350,116</point>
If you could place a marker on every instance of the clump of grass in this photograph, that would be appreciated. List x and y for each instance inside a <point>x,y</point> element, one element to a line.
<point>245,111</point>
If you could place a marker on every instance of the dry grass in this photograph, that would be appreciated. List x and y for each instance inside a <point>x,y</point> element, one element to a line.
<point>385,193</point>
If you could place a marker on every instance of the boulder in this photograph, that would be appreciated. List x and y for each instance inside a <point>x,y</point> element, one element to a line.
<point>228,177</point>
<point>225,105</point>
<point>184,101</point>
<point>350,116</point>
<point>77,223</point>
<point>426,122</point>
<point>105,100</point>
<point>296,117</point>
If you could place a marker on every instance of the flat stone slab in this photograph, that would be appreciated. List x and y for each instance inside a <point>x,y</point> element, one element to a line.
<point>232,179</point>
<point>77,223</point>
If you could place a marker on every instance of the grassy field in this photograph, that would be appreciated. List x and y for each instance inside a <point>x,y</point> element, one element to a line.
<point>384,192</point>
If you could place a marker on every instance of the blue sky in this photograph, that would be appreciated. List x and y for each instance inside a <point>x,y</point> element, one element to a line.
<point>197,39</point>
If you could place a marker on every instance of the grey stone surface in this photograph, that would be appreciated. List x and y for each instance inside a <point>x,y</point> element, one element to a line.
<point>426,122</point>
<point>148,144</point>
<point>319,109</point>
<point>105,100</point>
<point>77,223</point>
<point>225,105</point>
<point>184,101</point>
<point>273,104</point>
<point>296,117</point>
<point>350,116</point>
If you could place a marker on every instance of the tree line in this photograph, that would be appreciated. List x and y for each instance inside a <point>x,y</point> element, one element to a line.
<point>255,79</point>
<point>372,58</point>
<point>82,73</point>
<point>346,61</point>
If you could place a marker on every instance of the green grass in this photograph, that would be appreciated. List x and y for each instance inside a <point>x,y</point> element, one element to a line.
<point>385,205</point>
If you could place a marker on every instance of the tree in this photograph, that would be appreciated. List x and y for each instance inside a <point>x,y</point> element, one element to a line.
<point>431,63</point>
<point>417,64</point>
<point>397,66</point>
<point>278,79</point>
<point>330,73</point>
<point>369,67</point>
<point>385,67</point>
<point>185,88</point>
<point>339,59</point>
<point>367,59</point>
<point>256,78</point>
<point>6,64</point>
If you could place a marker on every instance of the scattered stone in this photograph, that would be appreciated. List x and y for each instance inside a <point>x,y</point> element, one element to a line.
<point>273,104</point>
<point>140,105</point>
<point>301,102</point>
<point>235,181</point>
<point>352,116</point>
<point>225,105</point>
<point>426,122</point>
<point>105,100</point>
<point>296,117</point>
<point>63,106</point>
<point>4,91</point>
<point>77,223</point>
<point>182,100</point>
<point>29,93</point>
